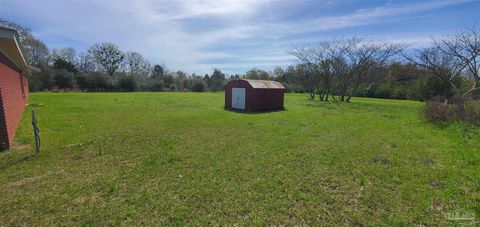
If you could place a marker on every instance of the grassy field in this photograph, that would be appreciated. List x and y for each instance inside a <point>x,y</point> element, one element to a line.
<point>181,159</point>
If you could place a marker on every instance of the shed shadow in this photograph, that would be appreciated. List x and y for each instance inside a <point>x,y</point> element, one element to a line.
<point>254,111</point>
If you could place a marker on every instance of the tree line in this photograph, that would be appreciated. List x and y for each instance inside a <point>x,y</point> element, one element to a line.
<point>334,70</point>
<point>342,68</point>
<point>104,67</point>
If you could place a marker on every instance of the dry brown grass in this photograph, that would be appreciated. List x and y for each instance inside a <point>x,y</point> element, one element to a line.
<point>439,111</point>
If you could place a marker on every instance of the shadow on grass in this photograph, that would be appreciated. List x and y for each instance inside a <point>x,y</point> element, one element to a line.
<point>321,105</point>
<point>254,111</point>
<point>16,162</point>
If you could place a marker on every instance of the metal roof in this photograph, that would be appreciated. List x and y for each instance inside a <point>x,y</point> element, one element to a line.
<point>265,84</point>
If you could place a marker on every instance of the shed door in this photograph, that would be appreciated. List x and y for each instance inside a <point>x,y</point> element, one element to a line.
<point>238,98</point>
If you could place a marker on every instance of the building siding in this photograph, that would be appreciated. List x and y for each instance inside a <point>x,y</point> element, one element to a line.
<point>14,96</point>
<point>237,84</point>
<point>255,98</point>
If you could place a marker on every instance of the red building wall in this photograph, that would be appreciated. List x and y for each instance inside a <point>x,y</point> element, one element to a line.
<point>238,84</point>
<point>267,99</point>
<point>14,96</point>
<point>255,99</point>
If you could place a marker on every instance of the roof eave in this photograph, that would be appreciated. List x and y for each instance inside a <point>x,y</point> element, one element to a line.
<point>10,34</point>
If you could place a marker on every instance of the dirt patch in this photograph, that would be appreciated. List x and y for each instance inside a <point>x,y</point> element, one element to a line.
<point>18,146</point>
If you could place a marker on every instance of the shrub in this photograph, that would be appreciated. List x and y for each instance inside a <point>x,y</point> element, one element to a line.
<point>438,110</point>
<point>82,81</point>
<point>99,81</point>
<point>127,83</point>
<point>383,91</point>
<point>198,86</point>
<point>63,79</point>
<point>152,84</point>
<point>43,80</point>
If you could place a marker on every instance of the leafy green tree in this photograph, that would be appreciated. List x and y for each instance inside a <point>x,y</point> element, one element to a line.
<point>42,80</point>
<point>63,79</point>
<point>217,80</point>
<point>59,63</point>
<point>158,71</point>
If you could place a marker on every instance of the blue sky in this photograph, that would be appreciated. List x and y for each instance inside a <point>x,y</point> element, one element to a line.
<point>233,35</point>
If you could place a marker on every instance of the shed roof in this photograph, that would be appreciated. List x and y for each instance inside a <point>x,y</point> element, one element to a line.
<point>267,84</point>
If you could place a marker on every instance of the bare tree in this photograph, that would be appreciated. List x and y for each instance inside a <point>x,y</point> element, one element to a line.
<point>85,62</point>
<point>67,54</point>
<point>342,79</point>
<point>464,47</point>
<point>108,56</point>
<point>319,60</point>
<point>257,74</point>
<point>137,65</point>
<point>34,50</point>
<point>345,62</point>
<point>362,56</point>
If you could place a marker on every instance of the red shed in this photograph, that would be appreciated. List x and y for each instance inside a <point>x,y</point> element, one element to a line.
<point>254,95</point>
<point>13,85</point>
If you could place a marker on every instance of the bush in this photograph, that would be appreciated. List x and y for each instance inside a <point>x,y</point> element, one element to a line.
<point>127,83</point>
<point>198,86</point>
<point>63,79</point>
<point>152,84</point>
<point>43,80</point>
<point>383,91</point>
<point>434,87</point>
<point>82,81</point>
<point>439,111</point>
<point>100,82</point>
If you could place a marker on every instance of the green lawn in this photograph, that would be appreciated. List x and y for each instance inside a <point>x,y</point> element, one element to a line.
<point>181,159</point>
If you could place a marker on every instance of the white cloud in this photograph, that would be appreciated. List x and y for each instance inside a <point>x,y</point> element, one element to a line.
<point>160,28</point>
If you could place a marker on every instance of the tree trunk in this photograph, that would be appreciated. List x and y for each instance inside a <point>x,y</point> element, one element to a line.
<point>348,98</point>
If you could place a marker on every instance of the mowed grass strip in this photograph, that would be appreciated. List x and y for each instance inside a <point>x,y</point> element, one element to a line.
<point>181,159</point>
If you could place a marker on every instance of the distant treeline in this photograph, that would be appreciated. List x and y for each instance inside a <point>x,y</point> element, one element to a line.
<point>332,70</point>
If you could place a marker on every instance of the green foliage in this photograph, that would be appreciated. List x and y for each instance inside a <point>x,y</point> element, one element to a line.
<point>100,82</point>
<point>158,72</point>
<point>198,86</point>
<point>217,80</point>
<point>435,87</point>
<point>152,84</point>
<point>63,79</point>
<point>127,83</point>
<point>43,80</point>
<point>66,65</point>
<point>383,90</point>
